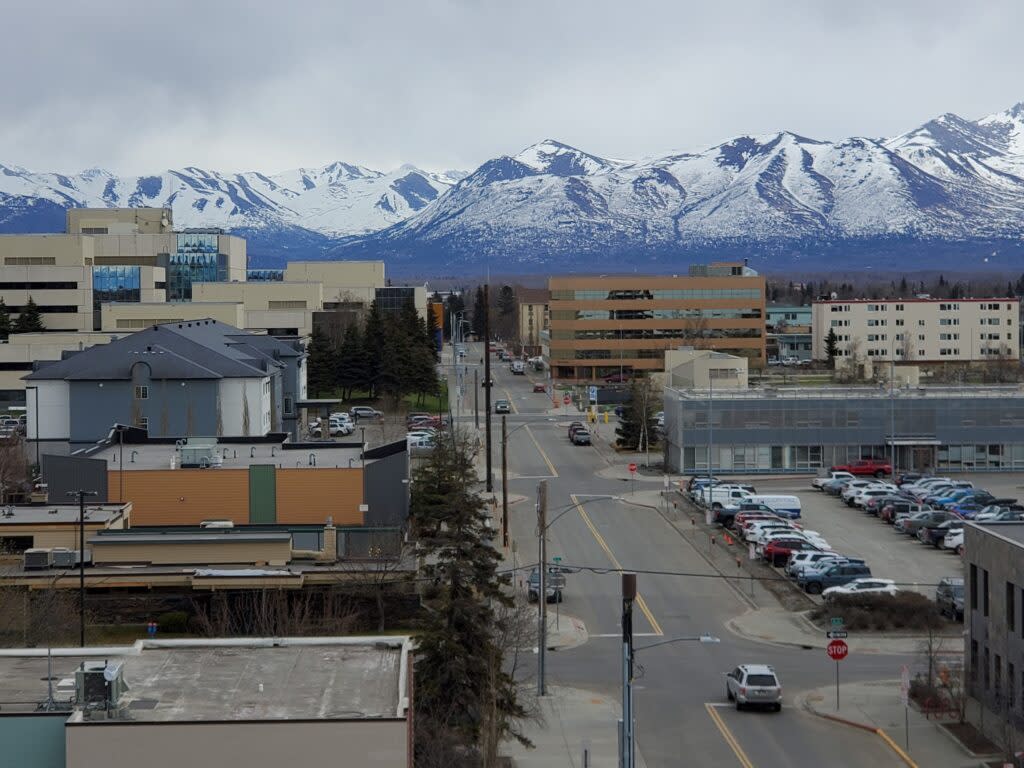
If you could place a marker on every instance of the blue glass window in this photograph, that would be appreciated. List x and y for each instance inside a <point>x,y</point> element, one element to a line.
<point>196,261</point>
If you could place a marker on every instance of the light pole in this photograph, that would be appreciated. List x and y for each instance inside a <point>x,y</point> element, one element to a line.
<point>487,385</point>
<point>81,494</point>
<point>39,468</point>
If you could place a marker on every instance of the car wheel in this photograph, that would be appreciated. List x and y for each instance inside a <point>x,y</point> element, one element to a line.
<point>728,693</point>
<point>739,706</point>
<point>778,706</point>
<point>813,588</point>
<point>879,473</point>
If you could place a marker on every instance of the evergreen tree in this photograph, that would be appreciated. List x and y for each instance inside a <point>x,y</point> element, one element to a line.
<point>831,346</point>
<point>904,288</point>
<point>431,336</point>
<point>5,321</point>
<point>464,693</point>
<point>373,347</point>
<point>30,320</point>
<point>506,320</point>
<point>322,365</point>
<point>639,413</point>
<point>479,313</point>
<point>452,308</point>
<point>393,373</point>
<point>351,361</point>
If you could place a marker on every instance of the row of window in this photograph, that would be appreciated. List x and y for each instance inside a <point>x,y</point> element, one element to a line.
<point>53,285</point>
<point>706,313</point>
<point>610,334</point>
<point>657,295</point>
<point>943,307</point>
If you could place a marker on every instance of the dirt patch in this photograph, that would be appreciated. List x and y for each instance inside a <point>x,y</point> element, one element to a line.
<point>973,740</point>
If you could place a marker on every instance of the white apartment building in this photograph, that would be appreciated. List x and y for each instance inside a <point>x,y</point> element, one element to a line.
<point>919,329</point>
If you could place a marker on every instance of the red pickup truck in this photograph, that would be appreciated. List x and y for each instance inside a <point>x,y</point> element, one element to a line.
<point>876,467</point>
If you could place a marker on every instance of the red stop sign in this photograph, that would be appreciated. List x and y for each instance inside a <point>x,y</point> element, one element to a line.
<point>566,399</point>
<point>632,467</point>
<point>837,649</point>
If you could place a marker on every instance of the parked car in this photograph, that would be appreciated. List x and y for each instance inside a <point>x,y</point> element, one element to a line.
<point>935,533</point>
<point>618,378</point>
<point>894,509</point>
<point>949,596</point>
<point>911,525</point>
<point>954,542</point>
<point>777,551</point>
<point>364,412</point>
<point>554,583</point>
<point>574,426</point>
<point>807,558</point>
<point>905,478</point>
<point>818,482</point>
<point>833,575</point>
<point>518,368</point>
<point>754,685</point>
<point>865,586</point>
<point>876,467</point>
<point>581,437</point>
<point>502,406</point>
<point>854,487</point>
<point>340,427</point>
<point>540,386</point>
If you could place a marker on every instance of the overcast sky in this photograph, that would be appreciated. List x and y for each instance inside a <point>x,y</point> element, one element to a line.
<point>258,85</point>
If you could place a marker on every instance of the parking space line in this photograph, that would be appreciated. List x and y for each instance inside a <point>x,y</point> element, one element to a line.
<point>640,602</point>
<point>727,735</point>
<point>554,472</point>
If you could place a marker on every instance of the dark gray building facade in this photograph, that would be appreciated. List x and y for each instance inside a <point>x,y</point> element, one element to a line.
<point>948,429</point>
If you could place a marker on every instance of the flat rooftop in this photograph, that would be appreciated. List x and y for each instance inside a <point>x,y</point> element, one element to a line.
<point>238,455</point>
<point>852,393</point>
<point>59,514</point>
<point>1012,531</point>
<point>204,680</point>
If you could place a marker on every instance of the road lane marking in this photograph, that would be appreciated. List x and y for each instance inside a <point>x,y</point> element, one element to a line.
<point>641,603</point>
<point>727,735</point>
<point>511,402</point>
<point>619,634</point>
<point>554,472</point>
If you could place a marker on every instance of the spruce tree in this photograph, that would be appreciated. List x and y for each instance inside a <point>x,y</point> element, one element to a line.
<point>430,328</point>
<point>30,320</point>
<point>639,411</point>
<point>462,686</point>
<point>321,365</point>
<point>5,321</point>
<point>831,346</point>
<point>373,346</point>
<point>351,362</point>
<point>479,313</point>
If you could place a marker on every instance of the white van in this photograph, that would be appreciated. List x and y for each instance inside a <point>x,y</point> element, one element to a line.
<point>723,496</point>
<point>785,506</point>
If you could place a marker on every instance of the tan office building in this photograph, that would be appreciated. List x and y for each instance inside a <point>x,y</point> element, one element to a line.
<point>125,317</point>
<point>279,308</point>
<point>919,329</point>
<point>601,326</point>
<point>343,281</point>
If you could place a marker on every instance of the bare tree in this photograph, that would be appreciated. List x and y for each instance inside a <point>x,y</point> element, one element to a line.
<point>38,617</point>
<point>274,612</point>
<point>15,479</point>
<point>388,570</point>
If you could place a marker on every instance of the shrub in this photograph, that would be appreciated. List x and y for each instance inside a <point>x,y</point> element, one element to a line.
<point>174,622</point>
<point>905,610</point>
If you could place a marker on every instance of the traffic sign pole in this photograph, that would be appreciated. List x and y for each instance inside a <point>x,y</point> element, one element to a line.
<point>837,649</point>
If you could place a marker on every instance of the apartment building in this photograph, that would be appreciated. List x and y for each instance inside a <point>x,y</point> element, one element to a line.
<point>601,327</point>
<point>919,329</point>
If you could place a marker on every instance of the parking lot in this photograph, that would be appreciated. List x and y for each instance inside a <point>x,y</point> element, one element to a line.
<point>888,553</point>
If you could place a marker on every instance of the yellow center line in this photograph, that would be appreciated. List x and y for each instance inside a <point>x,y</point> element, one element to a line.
<point>729,738</point>
<point>641,603</point>
<point>540,450</point>
<point>511,401</point>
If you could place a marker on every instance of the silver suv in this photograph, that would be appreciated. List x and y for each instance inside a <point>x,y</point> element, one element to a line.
<point>754,685</point>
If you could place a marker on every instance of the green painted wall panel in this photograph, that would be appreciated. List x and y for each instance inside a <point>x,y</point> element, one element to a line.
<point>262,494</point>
<point>33,741</point>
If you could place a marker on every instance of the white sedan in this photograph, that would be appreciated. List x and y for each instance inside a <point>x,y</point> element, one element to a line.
<point>954,541</point>
<point>865,586</point>
<point>820,481</point>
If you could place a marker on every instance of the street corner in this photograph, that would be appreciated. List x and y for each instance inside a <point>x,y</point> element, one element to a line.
<point>565,632</point>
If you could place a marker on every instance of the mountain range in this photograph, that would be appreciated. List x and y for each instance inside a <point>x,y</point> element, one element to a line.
<point>949,194</point>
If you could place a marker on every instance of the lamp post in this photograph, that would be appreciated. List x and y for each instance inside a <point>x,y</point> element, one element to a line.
<point>81,494</point>
<point>36,389</point>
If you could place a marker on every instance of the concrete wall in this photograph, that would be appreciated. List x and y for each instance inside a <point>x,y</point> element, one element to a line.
<point>386,495</point>
<point>339,276</point>
<point>125,317</point>
<point>79,297</point>
<point>33,740</point>
<point>142,249</point>
<point>120,220</point>
<point>244,407</point>
<point>52,402</point>
<point>219,552</point>
<point>55,250</point>
<point>172,410</point>
<point>262,744</point>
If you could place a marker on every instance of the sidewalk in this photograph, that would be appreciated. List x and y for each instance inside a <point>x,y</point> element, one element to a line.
<point>574,720</point>
<point>876,707</point>
<point>781,627</point>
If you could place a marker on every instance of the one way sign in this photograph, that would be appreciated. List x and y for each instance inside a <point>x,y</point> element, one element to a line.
<point>836,634</point>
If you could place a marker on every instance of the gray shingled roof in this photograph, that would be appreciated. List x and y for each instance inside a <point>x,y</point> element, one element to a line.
<point>203,349</point>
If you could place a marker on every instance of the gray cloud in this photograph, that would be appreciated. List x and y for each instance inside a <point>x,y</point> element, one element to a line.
<point>264,85</point>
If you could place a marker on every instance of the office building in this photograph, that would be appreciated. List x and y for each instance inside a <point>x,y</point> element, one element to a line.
<point>919,329</point>
<point>280,308</point>
<point>994,624</point>
<point>532,318</point>
<point>805,429</point>
<point>606,328</point>
<point>173,380</point>
<point>169,703</point>
<point>789,334</point>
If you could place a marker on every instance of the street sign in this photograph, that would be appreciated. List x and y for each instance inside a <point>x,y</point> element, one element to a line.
<point>557,558</point>
<point>836,634</point>
<point>592,392</point>
<point>566,399</point>
<point>632,468</point>
<point>905,685</point>
<point>836,621</point>
<point>837,650</point>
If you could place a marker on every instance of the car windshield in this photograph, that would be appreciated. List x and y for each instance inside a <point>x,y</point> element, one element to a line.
<point>761,680</point>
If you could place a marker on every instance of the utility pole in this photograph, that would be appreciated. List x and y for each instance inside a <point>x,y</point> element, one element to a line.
<point>487,383</point>
<point>81,494</point>
<point>504,482</point>
<point>542,594</point>
<point>476,398</point>
<point>627,746</point>
<point>711,395</point>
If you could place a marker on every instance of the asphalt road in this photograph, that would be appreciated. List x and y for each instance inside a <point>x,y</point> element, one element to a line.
<point>682,717</point>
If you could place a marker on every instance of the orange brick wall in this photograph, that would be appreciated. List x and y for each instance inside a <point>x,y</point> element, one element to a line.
<point>185,496</point>
<point>313,495</point>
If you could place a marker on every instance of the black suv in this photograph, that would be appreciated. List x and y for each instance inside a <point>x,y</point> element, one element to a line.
<point>949,596</point>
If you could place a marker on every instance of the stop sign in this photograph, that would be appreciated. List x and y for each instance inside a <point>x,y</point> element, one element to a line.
<point>837,649</point>
<point>566,399</point>
<point>632,467</point>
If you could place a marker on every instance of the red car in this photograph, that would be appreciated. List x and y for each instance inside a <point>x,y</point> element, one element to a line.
<point>876,467</point>
<point>777,551</point>
<point>540,387</point>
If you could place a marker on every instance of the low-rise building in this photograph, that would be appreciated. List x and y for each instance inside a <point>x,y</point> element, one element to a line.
<point>21,351</point>
<point>704,369</point>
<point>172,380</point>
<point>123,317</point>
<point>919,329</point>
<point>56,525</point>
<point>168,703</point>
<point>788,331</point>
<point>281,308</point>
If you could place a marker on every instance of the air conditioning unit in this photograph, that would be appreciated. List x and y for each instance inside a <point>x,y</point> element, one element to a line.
<point>69,558</point>
<point>38,558</point>
<point>99,685</point>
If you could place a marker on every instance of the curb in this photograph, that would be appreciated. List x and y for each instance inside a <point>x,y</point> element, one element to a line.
<point>900,753</point>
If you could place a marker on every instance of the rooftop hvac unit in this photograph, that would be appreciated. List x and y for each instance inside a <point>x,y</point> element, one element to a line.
<point>38,558</point>
<point>198,453</point>
<point>68,558</point>
<point>217,524</point>
<point>99,685</point>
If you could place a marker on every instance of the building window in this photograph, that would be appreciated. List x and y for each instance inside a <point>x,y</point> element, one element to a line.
<point>986,672</point>
<point>15,545</point>
<point>289,405</point>
<point>142,393</point>
<point>142,423</point>
<point>974,660</point>
<point>1011,612</point>
<point>1011,681</point>
<point>290,304</point>
<point>997,688</point>
<point>973,586</point>
<point>984,594</point>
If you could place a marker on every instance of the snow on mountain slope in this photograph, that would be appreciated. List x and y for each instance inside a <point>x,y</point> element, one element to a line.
<point>336,200</point>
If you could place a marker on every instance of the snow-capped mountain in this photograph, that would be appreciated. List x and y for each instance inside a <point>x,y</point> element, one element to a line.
<point>337,200</point>
<point>947,194</point>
